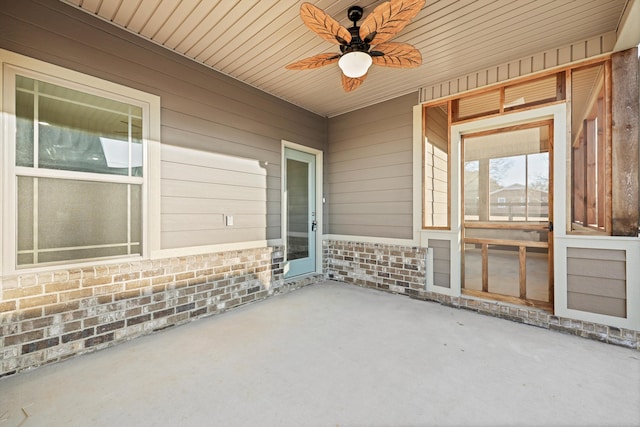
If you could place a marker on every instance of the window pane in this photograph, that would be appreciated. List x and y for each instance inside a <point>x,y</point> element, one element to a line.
<point>508,234</point>
<point>25,218</point>
<point>472,191</point>
<point>80,254</point>
<point>588,149</point>
<point>502,265</point>
<point>298,209</point>
<point>537,270</point>
<point>472,266</point>
<point>76,131</point>
<point>533,92</point>
<point>60,220</point>
<point>436,167</point>
<point>473,106</point>
<point>506,176</point>
<point>538,191</point>
<point>24,121</point>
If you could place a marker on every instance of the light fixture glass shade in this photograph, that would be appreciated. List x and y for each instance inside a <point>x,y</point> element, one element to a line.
<point>355,64</point>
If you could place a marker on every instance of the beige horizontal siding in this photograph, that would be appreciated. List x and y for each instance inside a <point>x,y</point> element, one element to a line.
<point>610,288</point>
<point>382,231</point>
<point>388,207</point>
<point>179,205</point>
<point>205,237</point>
<point>604,269</point>
<point>208,143</point>
<point>441,262</point>
<point>364,199</point>
<point>220,138</point>
<point>227,185</point>
<point>369,171</point>
<point>393,157</point>
<point>596,281</point>
<point>597,304</point>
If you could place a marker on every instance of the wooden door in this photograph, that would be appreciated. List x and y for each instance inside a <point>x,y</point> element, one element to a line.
<point>508,214</point>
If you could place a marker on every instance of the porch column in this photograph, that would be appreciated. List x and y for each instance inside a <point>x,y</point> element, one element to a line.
<point>625,153</point>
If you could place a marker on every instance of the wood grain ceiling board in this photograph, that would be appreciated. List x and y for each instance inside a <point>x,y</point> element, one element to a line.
<point>252,40</point>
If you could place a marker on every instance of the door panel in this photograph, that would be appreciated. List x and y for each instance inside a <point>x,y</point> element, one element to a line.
<point>507,204</point>
<point>300,253</point>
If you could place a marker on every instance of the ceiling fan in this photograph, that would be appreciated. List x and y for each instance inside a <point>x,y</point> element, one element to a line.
<point>361,46</point>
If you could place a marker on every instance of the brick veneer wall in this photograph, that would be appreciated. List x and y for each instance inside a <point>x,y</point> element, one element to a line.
<point>48,317</point>
<point>386,267</point>
<point>402,270</point>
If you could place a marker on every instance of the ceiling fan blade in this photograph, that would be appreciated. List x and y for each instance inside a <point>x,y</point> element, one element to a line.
<point>324,25</point>
<point>397,55</point>
<point>315,61</point>
<point>388,19</point>
<point>350,84</point>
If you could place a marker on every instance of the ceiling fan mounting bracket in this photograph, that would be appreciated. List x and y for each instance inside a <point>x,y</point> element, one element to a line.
<point>354,13</point>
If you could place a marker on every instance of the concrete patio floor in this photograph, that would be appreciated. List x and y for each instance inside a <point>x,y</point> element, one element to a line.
<point>333,354</point>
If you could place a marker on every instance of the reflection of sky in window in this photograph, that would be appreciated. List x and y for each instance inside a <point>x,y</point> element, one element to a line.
<point>514,172</point>
<point>117,153</point>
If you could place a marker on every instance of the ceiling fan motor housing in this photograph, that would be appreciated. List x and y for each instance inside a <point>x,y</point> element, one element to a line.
<point>356,44</point>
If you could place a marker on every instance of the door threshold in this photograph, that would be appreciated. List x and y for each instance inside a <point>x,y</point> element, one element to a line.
<point>542,305</point>
<point>306,276</point>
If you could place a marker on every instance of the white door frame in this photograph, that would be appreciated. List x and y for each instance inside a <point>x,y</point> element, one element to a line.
<point>318,200</point>
<point>557,112</point>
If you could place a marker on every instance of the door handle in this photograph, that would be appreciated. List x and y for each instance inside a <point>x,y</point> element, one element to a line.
<point>550,225</point>
<point>314,225</point>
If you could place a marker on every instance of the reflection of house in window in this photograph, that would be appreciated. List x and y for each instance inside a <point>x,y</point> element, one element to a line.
<point>502,170</point>
<point>509,203</point>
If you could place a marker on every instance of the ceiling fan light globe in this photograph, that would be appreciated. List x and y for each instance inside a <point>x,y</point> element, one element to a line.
<point>355,64</point>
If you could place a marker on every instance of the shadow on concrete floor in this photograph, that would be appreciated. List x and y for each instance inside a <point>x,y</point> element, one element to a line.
<point>333,354</point>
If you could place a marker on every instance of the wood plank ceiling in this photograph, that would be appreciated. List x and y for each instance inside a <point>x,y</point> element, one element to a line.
<point>252,40</point>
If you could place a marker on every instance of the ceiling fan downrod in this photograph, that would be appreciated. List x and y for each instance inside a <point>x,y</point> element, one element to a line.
<point>354,13</point>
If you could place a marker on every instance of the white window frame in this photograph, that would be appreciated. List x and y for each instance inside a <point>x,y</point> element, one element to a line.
<point>12,64</point>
